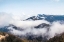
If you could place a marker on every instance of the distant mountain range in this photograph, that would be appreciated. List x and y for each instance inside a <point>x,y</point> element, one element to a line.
<point>49,18</point>
<point>32,38</point>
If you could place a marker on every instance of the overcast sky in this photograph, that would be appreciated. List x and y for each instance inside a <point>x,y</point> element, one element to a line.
<point>32,7</point>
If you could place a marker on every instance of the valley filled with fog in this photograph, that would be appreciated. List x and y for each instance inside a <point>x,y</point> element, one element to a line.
<point>35,26</point>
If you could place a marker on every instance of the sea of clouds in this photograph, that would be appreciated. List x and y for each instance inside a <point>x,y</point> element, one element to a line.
<point>28,26</point>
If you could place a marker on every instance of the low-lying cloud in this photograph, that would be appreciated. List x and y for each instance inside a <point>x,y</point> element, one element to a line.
<point>55,28</point>
<point>55,0</point>
<point>28,27</point>
<point>28,24</point>
<point>4,19</point>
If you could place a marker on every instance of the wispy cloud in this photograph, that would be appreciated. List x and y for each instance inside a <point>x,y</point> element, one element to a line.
<point>28,26</point>
<point>55,0</point>
<point>4,19</point>
<point>55,28</point>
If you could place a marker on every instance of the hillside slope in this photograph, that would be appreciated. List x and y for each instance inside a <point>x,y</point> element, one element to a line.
<point>4,37</point>
<point>58,38</point>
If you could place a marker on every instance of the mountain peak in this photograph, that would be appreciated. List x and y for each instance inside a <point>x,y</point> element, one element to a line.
<point>50,18</point>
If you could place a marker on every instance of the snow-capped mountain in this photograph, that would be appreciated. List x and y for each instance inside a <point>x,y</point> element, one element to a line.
<point>36,27</point>
<point>49,18</point>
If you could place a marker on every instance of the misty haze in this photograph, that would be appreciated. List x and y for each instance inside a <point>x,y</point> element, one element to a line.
<point>31,20</point>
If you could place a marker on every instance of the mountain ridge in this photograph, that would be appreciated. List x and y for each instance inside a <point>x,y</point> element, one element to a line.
<point>50,18</point>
